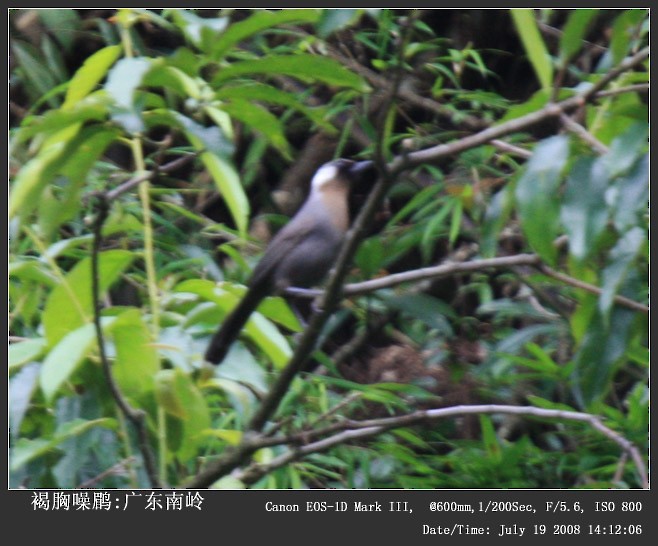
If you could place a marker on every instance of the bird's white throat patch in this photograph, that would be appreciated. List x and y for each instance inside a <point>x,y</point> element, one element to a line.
<point>324,174</point>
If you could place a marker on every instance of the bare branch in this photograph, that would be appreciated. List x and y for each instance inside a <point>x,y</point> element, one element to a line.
<point>456,268</point>
<point>583,134</point>
<point>621,300</point>
<point>351,430</point>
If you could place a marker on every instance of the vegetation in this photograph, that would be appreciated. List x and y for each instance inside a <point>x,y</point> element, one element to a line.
<point>486,324</point>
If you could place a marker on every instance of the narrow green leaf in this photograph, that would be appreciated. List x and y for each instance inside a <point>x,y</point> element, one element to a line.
<point>90,74</point>
<point>255,91</point>
<point>69,305</point>
<point>269,340</point>
<point>526,26</point>
<point>38,171</point>
<point>173,78</point>
<point>65,358</point>
<point>63,23</point>
<point>574,32</point>
<point>261,121</point>
<point>137,359</point>
<point>24,352</point>
<point>27,450</point>
<point>258,328</point>
<point>228,184</point>
<point>38,75</point>
<point>537,195</point>
<point>259,21</point>
<point>584,212</point>
<point>304,67</point>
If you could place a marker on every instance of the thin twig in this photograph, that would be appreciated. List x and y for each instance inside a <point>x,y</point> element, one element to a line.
<point>136,416</point>
<point>621,300</point>
<point>137,180</point>
<point>583,134</point>
<point>456,268</point>
<point>635,88</point>
<point>351,430</point>
<point>435,153</point>
<point>234,457</point>
<point>330,301</point>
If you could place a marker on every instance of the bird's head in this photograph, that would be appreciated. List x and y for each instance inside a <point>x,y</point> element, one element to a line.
<point>342,173</point>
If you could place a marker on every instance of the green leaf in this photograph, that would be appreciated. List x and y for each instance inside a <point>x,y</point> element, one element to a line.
<point>495,218</point>
<point>63,23</point>
<point>90,109</point>
<point>53,212</point>
<point>574,33</point>
<point>228,184</point>
<point>201,31</point>
<point>89,74</point>
<point>601,349</point>
<point>137,359</point>
<point>69,305</point>
<point>26,450</point>
<point>21,389</point>
<point>626,149</point>
<point>428,309</point>
<point>305,67</point>
<point>537,195</point>
<point>41,169</point>
<point>122,82</point>
<point>181,398</point>
<point>261,121</point>
<point>258,328</point>
<point>173,78</point>
<point>631,196</point>
<point>622,257</point>
<point>258,22</point>
<point>24,351</point>
<point>255,91</point>
<point>335,19</point>
<point>38,74</point>
<point>584,212</point>
<point>624,29</point>
<point>65,358</point>
<point>526,26</point>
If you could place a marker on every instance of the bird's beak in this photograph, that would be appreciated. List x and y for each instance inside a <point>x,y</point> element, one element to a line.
<point>361,168</point>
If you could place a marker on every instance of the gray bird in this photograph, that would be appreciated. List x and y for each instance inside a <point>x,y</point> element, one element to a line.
<point>302,252</point>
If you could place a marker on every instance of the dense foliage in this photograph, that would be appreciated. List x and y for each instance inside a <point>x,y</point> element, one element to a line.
<point>206,125</point>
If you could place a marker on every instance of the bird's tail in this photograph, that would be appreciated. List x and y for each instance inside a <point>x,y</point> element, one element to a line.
<point>230,328</point>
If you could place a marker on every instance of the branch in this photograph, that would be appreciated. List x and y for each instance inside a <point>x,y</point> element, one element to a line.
<point>334,287</point>
<point>237,455</point>
<point>352,430</point>
<point>456,268</point>
<point>136,416</point>
<point>583,134</point>
<point>621,300</point>
<point>137,180</point>
<point>551,110</point>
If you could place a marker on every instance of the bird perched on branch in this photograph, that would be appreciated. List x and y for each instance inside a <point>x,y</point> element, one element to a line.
<point>302,253</point>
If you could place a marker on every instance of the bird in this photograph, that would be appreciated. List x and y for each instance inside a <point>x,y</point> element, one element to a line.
<point>302,252</point>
